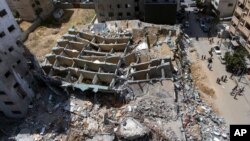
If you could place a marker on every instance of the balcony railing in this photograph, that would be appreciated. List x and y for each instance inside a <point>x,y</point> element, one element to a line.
<point>243,30</point>
<point>238,10</point>
<point>235,20</point>
<point>232,29</point>
<point>247,18</point>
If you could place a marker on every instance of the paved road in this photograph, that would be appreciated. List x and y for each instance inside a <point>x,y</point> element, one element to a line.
<point>234,111</point>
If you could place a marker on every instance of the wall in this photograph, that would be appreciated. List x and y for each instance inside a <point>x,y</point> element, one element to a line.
<point>120,9</point>
<point>24,8</point>
<point>27,8</point>
<point>15,90</point>
<point>5,22</point>
<point>15,79</point>
<point>224,8</point>
<point>160,13</point>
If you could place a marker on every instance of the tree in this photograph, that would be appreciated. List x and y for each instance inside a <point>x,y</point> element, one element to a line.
<point>236,62</point>
<point>199,4</point>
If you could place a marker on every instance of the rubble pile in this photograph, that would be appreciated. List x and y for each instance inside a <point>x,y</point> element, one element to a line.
<point>155,108</point>
<point>200,122</point>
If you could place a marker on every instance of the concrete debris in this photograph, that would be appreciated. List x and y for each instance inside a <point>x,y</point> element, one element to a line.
<point>200,122</point>
<point>142,46</point>
<point>131,129</point>
<point>24,135</point>
<point>155,108</point>
<point>102,138</point>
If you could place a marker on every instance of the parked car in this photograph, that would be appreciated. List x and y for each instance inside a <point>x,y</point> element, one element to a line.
<point>222,60</point>
<point>217,50</point>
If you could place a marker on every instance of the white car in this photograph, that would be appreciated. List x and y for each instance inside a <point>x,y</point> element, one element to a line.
<point>217,50</point>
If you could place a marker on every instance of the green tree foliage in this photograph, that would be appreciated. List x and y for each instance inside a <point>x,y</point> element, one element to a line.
<point>236,61</point>
<point>199,4</point>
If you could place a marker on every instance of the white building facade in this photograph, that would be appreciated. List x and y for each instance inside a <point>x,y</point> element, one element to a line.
<point>15,78</point>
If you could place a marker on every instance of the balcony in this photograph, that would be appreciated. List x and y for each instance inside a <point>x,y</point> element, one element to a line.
<point>232,29</point>
<point>238,10</point>
<point>243,30</point>
<point>248,19</point>
<point>235,20</point>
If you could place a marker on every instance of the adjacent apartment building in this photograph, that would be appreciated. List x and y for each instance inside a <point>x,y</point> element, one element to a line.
<point>15,79</point>
<point>29,10</point>
<point>223,8</point>
<point>240,24</point>
<point>153,11</point>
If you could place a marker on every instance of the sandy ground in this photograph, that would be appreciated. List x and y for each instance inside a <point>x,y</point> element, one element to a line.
<point>44,37</point>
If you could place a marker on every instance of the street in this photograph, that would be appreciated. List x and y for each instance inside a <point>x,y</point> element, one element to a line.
<point>235,111</point>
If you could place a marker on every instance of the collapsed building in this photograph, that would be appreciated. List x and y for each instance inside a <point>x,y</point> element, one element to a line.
<point>88,61</point>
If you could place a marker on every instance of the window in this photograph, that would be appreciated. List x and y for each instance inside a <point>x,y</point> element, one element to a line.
<point>16,85</point>
<point>127,5</point>
<point>16,112</point>
<point>120,14</point>
<point>11,49</point>
<point>18,61</point>
<point>37,2</point>
<point>101,14</point>
<point>2,93</point>
<point>128,14</point>
<point>3,13</point>
<point>8,103</point>
<point>20,92</point>
<point>2,34</point>
<point>0,60</point>
<point>136,8</point>
<point>230,5</point>
<point>118,6</point>
<point>18,43</point>
<point>7,74</point>
<point>26,73</point>
<point>11,28</point>
<point>111,14</point>
<point>247,26</point>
